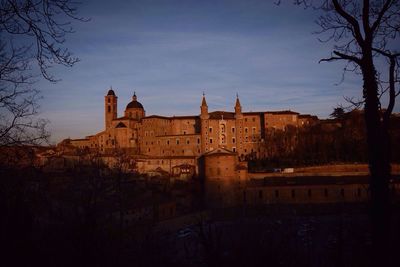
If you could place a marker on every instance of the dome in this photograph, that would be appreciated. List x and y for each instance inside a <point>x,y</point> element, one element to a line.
<point>111,92</point>
<point>134,104</point>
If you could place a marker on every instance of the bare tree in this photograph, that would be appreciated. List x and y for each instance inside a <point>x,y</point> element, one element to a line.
<point>366,36</point>
<point>32,41</point>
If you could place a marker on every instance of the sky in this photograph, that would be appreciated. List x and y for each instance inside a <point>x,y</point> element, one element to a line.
<point>170,52</point>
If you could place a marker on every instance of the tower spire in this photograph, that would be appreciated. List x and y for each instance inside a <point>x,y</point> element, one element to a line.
<point>238,107</point>
<point>204,107</point>
<point>237,100</point>
<point>203,101</point>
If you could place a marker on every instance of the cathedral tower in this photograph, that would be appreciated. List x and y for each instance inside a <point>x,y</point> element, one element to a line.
<point>110,107</point>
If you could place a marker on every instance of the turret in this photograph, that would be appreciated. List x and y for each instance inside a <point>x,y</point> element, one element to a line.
<point>204,123</point>
<point>238,108</point>
<point>110,107</point>
<point>238,126</point>
<point>204,108</point>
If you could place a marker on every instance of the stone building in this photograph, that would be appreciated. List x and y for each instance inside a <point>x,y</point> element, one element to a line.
<point>168,142</point>
<point>214,146</point>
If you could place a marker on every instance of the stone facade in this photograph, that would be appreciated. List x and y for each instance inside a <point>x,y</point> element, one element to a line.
<point>166,142</point>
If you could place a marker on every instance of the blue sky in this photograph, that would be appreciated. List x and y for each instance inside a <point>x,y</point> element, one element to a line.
<point>169,52</point>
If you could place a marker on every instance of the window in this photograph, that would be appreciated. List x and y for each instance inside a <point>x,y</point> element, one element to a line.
<point>234,149</point>
<point>246,130</point>
<point>109,109</point>
<point>167,142</point>
<point>211,140</point>
<point>233,140</point>
<point>198,140</point>
<point>233,129</point>
<point>187,141</point>
<point>210,129</point>
<point>254,119</point>
<point>184,132</point>
<point>108,100</point>
<point>177,141</point>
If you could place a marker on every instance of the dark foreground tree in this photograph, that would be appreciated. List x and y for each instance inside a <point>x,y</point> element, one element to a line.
<point>32,37</point>
<point>366,36</point>
<point>338,113</point>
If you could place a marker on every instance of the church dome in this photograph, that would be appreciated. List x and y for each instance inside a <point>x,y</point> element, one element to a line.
<point>134,103</point>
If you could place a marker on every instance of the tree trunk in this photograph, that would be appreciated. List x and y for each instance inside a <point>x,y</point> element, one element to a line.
<point>379,165</point>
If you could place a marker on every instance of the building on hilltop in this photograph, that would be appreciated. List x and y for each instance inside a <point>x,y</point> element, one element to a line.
<point>170,142</point>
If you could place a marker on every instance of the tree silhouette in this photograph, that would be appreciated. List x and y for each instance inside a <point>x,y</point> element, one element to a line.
<point>338,113</point>
<point>32,32</point>
<point>364,33</point>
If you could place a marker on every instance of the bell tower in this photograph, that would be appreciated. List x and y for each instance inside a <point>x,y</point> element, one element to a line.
<point>110,107</point>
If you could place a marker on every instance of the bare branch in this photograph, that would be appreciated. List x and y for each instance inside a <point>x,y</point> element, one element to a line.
<point>41,25</point>
<point>384,9</point>
<point>351,20</point>
<point>341,56</point>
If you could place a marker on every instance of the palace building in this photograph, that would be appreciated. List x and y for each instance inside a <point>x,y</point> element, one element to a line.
<point>214,146</point>
<point>177,142</point>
